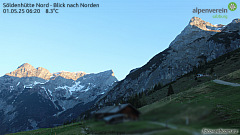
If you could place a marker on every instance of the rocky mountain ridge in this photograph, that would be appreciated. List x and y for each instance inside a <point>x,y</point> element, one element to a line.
<point>63,96</point>
<point>198,43</point>
<point>27,70</point>
<point>206,26</point>
<point>32,98</point>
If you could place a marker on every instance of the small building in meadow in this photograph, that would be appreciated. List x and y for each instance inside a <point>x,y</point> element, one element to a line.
<point>119,113</point>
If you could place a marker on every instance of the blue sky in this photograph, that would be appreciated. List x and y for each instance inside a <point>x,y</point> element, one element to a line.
<point>120,35</point>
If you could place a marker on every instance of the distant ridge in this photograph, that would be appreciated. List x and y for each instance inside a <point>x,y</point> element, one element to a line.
<point>27,70</point>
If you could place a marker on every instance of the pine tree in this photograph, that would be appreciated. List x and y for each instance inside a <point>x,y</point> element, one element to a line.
<point>155,87</point>
<point>170,90</point>
<point>159,86</point>
<point>211,70</point>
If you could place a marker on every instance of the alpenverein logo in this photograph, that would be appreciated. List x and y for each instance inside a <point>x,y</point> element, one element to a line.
<point>232,6</point>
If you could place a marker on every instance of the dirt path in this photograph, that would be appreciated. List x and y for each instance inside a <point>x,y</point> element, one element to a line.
<point>164,125</point>
<point>172,127</point>
<point>152,132</point>
<point>226,83</point>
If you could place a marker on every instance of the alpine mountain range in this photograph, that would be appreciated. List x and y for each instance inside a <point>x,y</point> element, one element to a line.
<point>32,98</point>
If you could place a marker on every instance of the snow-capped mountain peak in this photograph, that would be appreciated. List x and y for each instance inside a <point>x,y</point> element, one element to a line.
<point>58,96</point>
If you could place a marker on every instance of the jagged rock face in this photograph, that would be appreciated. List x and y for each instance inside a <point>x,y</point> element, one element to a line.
<point>203,25</point>
<point>195,45</point>
<point>234,26</point>
<point>194,31</point>
<point>34,99</point>
<point>27,70</point>
<point>69,75</point>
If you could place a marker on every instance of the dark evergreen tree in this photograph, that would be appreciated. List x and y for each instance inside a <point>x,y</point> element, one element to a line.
<point>159,86</point>
<point>170,90</point>
<point>155,87</point>
<point>211,70</point>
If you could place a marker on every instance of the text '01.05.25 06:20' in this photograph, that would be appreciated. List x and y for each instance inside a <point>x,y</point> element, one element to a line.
<point>21,11</point>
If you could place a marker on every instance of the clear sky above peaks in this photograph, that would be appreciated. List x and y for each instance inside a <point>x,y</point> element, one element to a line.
<point>120,35</point>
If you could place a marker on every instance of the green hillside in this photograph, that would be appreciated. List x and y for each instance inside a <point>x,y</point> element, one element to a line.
<point>218,68</point>
<point>197,103</point>
<point>208,105</point>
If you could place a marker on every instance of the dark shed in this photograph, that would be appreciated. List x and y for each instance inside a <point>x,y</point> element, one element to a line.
<point>120,113</point>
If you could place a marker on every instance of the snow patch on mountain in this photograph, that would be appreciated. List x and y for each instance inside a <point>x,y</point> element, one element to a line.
<point>33,123</point>
<point>59,96</point>
<point>74,88</point>
<point>18,83</point>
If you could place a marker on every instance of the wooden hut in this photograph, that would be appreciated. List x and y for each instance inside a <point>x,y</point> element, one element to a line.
<point>119,113</point>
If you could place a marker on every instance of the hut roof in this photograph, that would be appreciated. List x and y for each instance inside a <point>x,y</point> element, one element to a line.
<point>105,109</point>
<point>108,118</point>
<point>114,109</point>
